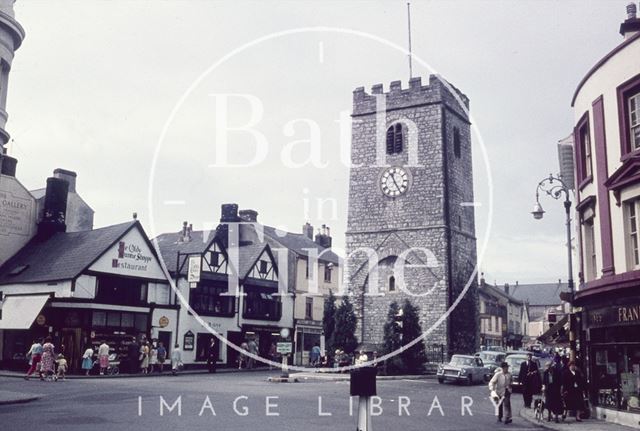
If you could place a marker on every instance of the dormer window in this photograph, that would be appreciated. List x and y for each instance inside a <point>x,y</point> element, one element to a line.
<point>395,139</point>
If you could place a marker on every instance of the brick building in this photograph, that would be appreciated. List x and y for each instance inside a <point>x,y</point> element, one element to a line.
<point>411,171</point>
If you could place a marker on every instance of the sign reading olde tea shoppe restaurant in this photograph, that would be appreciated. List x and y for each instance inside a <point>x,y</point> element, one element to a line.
<point>131,256</point>
<point>626,314</point>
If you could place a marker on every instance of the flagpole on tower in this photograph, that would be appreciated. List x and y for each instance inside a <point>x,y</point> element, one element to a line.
<point>409,30</point>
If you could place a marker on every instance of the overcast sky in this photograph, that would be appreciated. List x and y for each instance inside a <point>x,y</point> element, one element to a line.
<point>94,84</point>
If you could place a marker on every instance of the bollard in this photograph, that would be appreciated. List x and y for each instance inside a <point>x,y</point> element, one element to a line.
<point>363,385</point>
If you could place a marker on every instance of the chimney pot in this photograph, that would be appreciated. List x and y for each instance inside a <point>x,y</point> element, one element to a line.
<point>632,10</point>
<point>135,216</point>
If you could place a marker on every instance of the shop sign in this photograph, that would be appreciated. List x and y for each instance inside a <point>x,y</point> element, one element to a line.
<point>15,214</point>
<point>195,266</point>
<point>41,320</point>
<point>132,257</point>
<point>284,348</point>
<point>189,341</point>
<point>163,322</point>
<point>616,315</point>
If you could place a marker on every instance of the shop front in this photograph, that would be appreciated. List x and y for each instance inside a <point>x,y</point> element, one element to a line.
<point>308,333</point>
<point>613,354</point>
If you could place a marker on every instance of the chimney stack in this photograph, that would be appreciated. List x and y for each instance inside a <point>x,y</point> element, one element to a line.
<point>323,238</point>
<point>8,165</point>
<point>307,230</point>
<point>229,213</point>
<point>250,216</point>
<point>631,26</point>
<point>506,288</point>
<point>55,207</point>
<point>68,176</point>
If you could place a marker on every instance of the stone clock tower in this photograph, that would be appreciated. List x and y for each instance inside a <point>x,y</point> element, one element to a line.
<point>411,229</point>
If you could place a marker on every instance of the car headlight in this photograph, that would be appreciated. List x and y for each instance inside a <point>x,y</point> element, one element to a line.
<point>463,371</point>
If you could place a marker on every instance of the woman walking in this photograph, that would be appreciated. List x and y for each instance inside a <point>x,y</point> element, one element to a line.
<point>103,357</point>
<point>552,389</point>
<point>573,388</point>
<point>176,359</point>
<point>87,360</point>
<point>48,359</point>
<point>35,355</point>
<point>144,357</point>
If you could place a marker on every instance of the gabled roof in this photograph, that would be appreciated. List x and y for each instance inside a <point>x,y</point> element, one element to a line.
<point>63,256</point>
<point>485,288</point>
<point>170,244</point>
<point>539,294</point>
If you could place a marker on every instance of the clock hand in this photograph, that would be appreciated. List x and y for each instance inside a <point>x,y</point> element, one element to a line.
<point>393,177</point>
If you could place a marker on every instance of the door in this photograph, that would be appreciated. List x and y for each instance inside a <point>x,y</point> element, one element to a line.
<point>71,347</point>
<point>165,338</point>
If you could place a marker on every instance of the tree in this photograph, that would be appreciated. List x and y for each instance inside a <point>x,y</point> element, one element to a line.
<point>344,335</point>
<point>393,339</point>
<point>413,358</point>
<point>329,320</point>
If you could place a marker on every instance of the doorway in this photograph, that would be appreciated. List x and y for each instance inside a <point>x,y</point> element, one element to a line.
<point>165,338</point>
<point>71,347</point>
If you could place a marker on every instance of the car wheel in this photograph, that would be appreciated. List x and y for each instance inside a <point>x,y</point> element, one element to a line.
<point>440,380</point>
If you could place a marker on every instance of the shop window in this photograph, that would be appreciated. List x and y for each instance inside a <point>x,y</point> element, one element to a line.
<point>127,320</point>
<point>589,250</point>
<point>308,309</point>
<point>395,138</point>
<point>99,318</point>
<point>631,227</point>
<point>113,320</point>
<point>629,115</point>
<point>141,322</point>
<point>212,300</point>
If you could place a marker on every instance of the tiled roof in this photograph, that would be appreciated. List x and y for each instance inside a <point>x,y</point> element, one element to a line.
<point>299,243</point>
<point>62,256</point>
<point>170,245</point>
<point>496,291</point>
<point>539,294</point>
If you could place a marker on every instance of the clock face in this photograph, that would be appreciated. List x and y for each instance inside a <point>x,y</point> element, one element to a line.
<point>394,181</point>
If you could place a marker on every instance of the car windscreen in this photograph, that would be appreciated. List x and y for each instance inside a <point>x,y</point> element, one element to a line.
<point>459,361</point>
<point>514,362</point>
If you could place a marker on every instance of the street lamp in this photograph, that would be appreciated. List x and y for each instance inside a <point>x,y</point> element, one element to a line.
<point>556,188</point>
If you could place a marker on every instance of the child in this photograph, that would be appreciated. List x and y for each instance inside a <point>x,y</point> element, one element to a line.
<point>61,362</point>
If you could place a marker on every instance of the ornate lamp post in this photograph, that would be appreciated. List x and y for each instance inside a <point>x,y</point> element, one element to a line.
<point>556,188</point>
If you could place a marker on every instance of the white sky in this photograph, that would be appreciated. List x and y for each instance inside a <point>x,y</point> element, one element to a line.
<point>94,83</point>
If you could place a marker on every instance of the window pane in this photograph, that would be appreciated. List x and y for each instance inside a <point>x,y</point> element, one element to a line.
<point>141,322</point>
<point>99,318</point>
<point>113,320</point>
<point>127,320</point>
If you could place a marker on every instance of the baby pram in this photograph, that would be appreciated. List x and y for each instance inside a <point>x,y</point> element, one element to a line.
<point>114,365</point>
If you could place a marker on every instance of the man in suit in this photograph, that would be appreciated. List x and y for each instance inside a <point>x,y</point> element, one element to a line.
<point>529,377</point>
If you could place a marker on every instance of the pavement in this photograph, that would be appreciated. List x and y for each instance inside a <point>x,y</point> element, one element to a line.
<point>570,424</point>
<point>166,373</point>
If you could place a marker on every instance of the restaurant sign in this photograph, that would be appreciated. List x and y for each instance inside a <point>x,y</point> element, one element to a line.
<point>614,315</point>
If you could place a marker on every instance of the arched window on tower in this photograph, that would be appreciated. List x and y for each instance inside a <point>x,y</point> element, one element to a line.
<point>392,284</point>
<point>456,142</point>
<point>395,139</point>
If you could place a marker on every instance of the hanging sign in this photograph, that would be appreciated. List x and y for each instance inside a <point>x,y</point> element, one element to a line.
<point>195,266</point>
<point>189,341</point>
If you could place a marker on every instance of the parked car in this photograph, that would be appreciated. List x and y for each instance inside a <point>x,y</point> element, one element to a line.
<point>463,369</point>
<point>491,359</point>
<point>515,360</point>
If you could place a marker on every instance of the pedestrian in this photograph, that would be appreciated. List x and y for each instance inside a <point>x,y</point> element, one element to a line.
<point>176,359</point>
<point>273,354</point>
<point>314,355</point>
<point>529,378</point>
<point>253,349</point>
<point>48,359</point>
<point>552,389</point>
<point>103,357</point>
<point>242,359</point>
<point>144,357</point>
<point>573,389</point>
<point>500,387</point>
<point>35,356</point>
<point>62,365</point>
<point>212,356</point>
<point>162,356</point>
<point>133,352</point>
<point>87,360</point>
<point>153,358</point>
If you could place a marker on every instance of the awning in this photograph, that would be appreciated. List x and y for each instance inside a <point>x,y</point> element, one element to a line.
<point>19,312</point>
<point>554,332</point>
